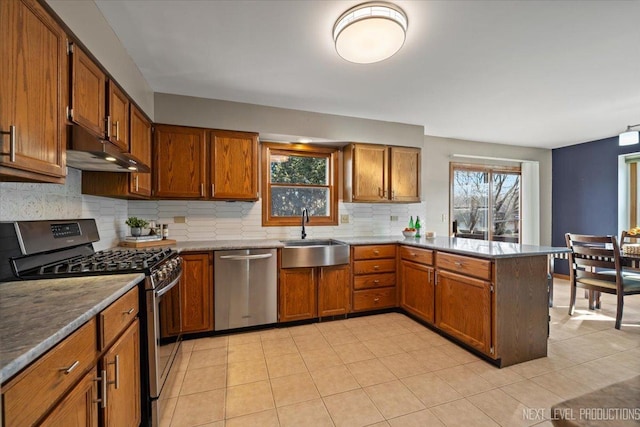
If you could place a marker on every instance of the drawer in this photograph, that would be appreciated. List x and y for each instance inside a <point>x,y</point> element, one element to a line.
<point>374,252</point>
<point>374,281</point>
<point>476,267</point>
<point>374,266</point>
<point>422,256</point>
<point>115,318</point>
<point>374,298</point>
<point>31,393</point>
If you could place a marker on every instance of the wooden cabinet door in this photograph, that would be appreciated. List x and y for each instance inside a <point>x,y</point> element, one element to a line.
<point>404,174</point>
<point>463,309</point>
<point>196,287</point>
<point>417,291</point>
<point>78,408</point>
<point>118,117</point>
<point>33,88</point>
<point>298,294</point>
<point>233,165</point>
<point>333,290</point>
<point>370,166</point>
<point>140,148</point>
<point>179,166</point>
<point>122,365</point>
<point>88,87</point>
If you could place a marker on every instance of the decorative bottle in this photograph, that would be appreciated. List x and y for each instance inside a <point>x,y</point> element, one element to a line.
<point>411,222</point>
<point>417,226</point>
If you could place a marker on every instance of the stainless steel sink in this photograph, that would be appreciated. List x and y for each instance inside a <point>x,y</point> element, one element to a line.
<point>314,253</point>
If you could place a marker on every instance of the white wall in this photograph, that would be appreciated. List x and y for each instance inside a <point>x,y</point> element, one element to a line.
<point>436,156</point>
<point>89,25</point>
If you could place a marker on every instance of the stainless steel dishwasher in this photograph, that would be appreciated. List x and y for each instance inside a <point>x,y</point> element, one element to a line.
<point>246,288</point>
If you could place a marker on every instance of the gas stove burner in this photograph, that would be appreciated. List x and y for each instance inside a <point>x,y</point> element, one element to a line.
<point>108,261</point>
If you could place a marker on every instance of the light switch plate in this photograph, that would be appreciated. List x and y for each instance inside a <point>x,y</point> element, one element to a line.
<point>179,219</point>
<point>344,219</point>
<point>394,217</point>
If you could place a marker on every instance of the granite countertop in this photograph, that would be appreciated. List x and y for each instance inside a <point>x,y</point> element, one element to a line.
<point>35,315</point>
<point>478,248</point>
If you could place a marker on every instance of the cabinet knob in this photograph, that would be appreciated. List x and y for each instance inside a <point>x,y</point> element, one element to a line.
<point>376,299</point>
<point>376,281</point>
<point>459,264</point>
<point>376,252</point>
<point>376,267</point>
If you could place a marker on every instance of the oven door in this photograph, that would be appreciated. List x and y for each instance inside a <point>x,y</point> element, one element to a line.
<point>164,333</point>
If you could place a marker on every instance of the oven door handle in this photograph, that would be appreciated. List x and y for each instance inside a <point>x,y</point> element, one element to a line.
<point>245,257</point>
<point>169,286</point>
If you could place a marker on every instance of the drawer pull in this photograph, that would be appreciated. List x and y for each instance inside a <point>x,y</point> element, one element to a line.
<point>414,254</point>
<point>376,299</point>
<point>376,252</point>
<point>376,281</point>
<point>459,264</point>
<point>376,267</point>
<point>128,311</point>
<point>73,366</point>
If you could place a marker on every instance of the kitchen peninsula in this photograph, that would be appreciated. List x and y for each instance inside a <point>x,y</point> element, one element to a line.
<point>491,297</point>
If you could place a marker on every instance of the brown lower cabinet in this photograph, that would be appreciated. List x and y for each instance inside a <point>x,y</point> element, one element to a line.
<point>196,287</point>
<point>374,277</point>
<point>463,309</point>
<point>65,386</point>
<point>417,289</point>
<point>310,292</point>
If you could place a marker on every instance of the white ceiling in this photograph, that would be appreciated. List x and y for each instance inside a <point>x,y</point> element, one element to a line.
<point>532,73</point>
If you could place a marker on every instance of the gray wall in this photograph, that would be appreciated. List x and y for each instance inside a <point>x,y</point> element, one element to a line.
<point>89,25</point>
<point>436,156</point>
<point>217,114</point>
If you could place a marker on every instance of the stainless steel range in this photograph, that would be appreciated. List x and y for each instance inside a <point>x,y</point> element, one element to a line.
<point>64,248</point>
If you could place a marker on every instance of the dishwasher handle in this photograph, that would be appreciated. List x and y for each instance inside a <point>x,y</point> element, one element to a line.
<point>245,257</point>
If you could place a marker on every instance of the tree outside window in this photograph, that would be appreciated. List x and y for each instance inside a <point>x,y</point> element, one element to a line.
<point>485,202</point>
<point>297,177</point>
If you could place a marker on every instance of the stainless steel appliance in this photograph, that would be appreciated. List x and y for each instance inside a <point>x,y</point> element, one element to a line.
<point>246,291</point>
<point>64,248</point>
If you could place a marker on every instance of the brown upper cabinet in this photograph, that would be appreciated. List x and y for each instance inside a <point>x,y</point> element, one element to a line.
<point>88,88</point>
<point>233,165</point>
<point>188,165</point>
<point>118,117</point>
<point>379,173</point>
<point>33,84</point>
<point>133,185</point>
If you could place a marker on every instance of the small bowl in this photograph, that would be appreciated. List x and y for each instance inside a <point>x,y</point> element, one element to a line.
<point>408,233</point>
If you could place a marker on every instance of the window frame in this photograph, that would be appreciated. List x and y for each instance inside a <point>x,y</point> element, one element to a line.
<point>490,170</point>
<point>331,153</point>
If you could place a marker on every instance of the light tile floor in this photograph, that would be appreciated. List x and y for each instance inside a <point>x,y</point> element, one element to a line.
<point>387,370</point>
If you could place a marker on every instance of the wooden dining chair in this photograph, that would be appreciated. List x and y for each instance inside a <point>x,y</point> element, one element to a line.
<point>595,264</point>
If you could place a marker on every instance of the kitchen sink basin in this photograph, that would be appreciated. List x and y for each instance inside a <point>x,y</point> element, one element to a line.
<point>314,253</point>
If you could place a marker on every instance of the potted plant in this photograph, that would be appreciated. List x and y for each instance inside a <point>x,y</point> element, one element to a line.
<point>136,224</point>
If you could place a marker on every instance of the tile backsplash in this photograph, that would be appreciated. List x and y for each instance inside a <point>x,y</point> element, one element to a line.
<point>204,220</point>
<point>26,201</point>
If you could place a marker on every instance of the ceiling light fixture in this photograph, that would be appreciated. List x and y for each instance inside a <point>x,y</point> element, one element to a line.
<point>629,136</point>
<point>370,32</point>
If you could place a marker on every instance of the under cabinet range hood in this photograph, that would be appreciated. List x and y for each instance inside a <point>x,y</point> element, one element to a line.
<point>86,151</point>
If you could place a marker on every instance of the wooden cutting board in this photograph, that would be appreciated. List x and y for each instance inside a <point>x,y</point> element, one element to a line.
<point>147,244</point>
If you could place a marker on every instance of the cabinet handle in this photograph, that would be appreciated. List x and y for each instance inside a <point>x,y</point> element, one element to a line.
<point>12,142</point>
<point>376,299</point>
<point>429,276</point>
<point>69,369</point>
<point>117,124</point>
<point>136,182</point>
<point>116,364</point>
<point>213,189</point>
<point>108,126</point>
<point>379,192</point>
<point>376,252</point>
<point>128,312</point>
<point>393,194</point>
<point>459,264</point>
<point>201,189</point>
<point>103,381</point>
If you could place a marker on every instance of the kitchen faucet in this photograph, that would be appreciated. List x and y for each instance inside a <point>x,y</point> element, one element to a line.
<point>304,212</point>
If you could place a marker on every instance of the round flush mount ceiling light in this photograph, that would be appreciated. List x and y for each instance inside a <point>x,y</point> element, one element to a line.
<point>370,32</point>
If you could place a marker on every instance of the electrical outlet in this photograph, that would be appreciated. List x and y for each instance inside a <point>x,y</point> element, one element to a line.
<point>444,217</point>
<point>344,219</point>
<point>394,217</point>
<point>179,219</point>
